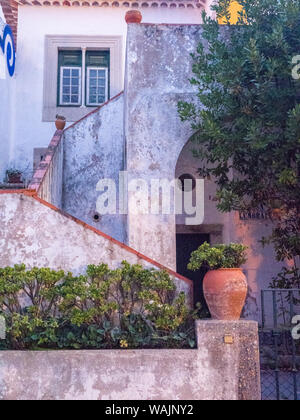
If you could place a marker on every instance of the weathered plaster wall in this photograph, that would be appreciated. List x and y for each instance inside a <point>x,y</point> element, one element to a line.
<point>157,69</point>
<point>38,235</point>
<point>261,265</point>
<point>215,371</point>
<point>94,150</point>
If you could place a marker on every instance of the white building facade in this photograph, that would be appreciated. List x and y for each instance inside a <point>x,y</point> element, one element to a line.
<point>73,56</point>
<point>54,36</point>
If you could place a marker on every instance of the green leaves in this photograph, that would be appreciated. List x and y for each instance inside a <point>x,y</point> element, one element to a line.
<point>128,307</point>
<point>218,256</point>
<point>246,113</point>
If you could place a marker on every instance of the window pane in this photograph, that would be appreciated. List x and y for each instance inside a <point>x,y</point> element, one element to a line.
<point>66,90</point>
<point>101,99</point>
<point>74,99</point>
<point>75,81</point>
<point>93,73</point>
<point>75,90</point>
<point>66,72</point>
<point>66,99</point>
<point>75,72</point>
<point>93,99</point>
<point>93,82</point>
<point>101,73</point>
<point>66,81</point>
<point>93,91</point>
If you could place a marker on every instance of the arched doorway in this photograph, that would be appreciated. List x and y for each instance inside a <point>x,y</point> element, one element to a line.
<point>190,237</point>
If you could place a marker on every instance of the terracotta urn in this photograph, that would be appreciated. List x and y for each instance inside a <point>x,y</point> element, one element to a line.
<point>225,291</point>
<point>60,123</point>
<point>133,16</point>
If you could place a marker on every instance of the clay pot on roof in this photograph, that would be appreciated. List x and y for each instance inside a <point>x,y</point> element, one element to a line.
<point>133,16</point>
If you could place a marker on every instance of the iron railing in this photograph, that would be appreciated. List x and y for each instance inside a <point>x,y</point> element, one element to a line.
<point>280,352</point>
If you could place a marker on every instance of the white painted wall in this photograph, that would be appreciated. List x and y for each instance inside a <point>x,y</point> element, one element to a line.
<point>2,14</point>
<point>34,24</point>
<point>6,100</point>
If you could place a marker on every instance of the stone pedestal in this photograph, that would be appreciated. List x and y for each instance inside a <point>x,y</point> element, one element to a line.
<point>232,349</point>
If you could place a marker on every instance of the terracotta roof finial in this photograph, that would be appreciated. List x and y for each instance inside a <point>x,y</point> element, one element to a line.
<point>133,16</point>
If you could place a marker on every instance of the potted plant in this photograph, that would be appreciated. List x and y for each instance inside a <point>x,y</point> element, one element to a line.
<point>13,176</point>
<point>225,286</point>
<point>60,122</point>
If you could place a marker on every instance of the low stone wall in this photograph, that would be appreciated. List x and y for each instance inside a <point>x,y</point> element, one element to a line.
<point>225,366</point>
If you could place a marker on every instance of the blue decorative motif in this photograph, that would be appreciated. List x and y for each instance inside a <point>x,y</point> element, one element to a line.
<point>7,46</point>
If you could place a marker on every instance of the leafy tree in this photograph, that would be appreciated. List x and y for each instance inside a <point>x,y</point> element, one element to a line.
<point>247,120</point>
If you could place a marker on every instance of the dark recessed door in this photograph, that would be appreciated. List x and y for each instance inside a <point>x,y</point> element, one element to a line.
<point>185,245</point>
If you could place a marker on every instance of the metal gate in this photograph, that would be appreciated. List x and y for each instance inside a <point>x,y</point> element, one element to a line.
<point>279,346</point>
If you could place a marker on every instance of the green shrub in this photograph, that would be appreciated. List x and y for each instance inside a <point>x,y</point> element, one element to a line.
<point>29,303</point>
<point>87,299</point>
<point>129,307</point>
<point>218,256</point>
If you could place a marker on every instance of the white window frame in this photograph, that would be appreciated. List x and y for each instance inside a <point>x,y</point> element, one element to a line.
<point>89,68</point>
<point>61,102</point>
